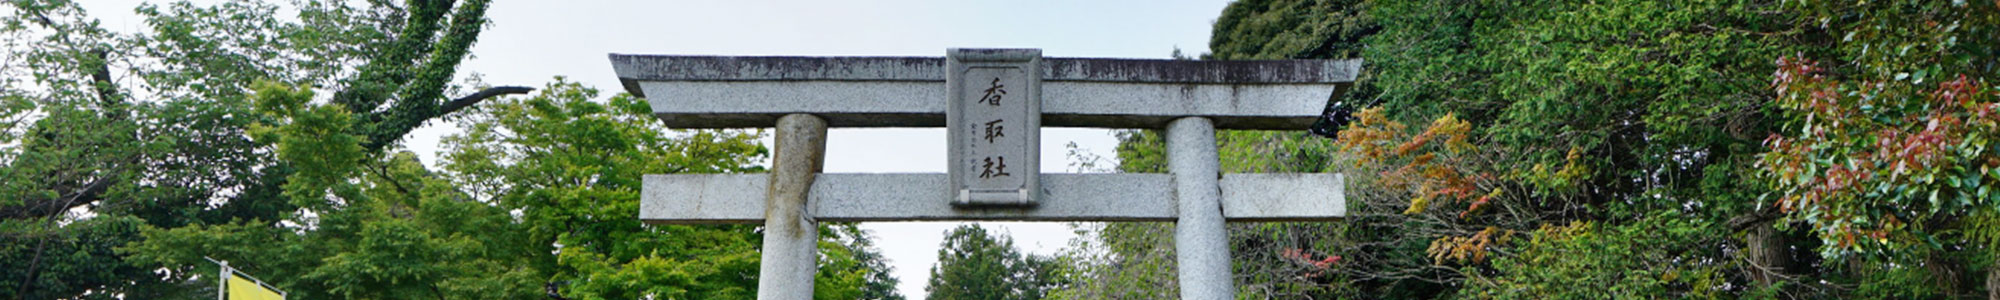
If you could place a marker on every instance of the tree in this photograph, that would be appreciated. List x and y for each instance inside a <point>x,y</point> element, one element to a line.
<point>1119,261</point>
<point>879,283</point>
<point>267,143</point>
<point>156,125</point>
<point>571,163</point>
<point>404,233</point>
<point>976,265</point>
<point>536,199</point>
<point>1482,129</point>
<point>1887,154</point>
<point>1518,146</point>
<point>229,132</point>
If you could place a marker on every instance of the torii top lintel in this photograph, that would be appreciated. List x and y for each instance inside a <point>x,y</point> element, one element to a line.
<point>753,91</point>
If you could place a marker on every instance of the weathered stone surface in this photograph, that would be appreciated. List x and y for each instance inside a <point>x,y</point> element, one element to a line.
<point>994,123</point>
<point>1201,71</point>
<point>634,68</point>
<point>752,104</point>
<point>1201,243</point>
<point>738,198</point>
<point>791,236</point>
<point>724,199</point>
<point>704,198</point>
<point>744,92</point>
<point>1283,196</point>
<point>1065,197</point>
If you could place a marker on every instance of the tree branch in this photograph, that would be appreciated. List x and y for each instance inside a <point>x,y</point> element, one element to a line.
<point>393,124</point>
<point>107,92</point>
<point>418,100</point>
<point>381,170</point>
<point>1753,218</point>
<point>100,70</point>
<point>364,92</point>
<point>482,95</point>
<point>90,191</point>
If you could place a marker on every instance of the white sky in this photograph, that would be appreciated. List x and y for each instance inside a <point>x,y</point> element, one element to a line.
<point>530,42</point>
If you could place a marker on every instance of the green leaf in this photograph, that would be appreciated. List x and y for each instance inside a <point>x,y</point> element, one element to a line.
<point>1935,206</point>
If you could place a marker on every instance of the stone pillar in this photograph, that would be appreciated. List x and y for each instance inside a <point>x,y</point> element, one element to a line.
<point>791,237</point>
<point>1200,240</point>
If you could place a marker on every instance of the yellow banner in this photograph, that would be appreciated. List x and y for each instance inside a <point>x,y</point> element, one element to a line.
<point>244,289</point>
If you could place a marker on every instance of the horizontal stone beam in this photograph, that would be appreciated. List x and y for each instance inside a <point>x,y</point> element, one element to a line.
<point>738,198</point>
<point>1270,197</point>
<point>631,68</point>
<point>744,92</point>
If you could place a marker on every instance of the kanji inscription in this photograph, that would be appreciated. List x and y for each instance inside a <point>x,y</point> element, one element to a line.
<point>994,124</point>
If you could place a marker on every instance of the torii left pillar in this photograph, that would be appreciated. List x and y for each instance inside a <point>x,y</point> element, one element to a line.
<point>791,236</point>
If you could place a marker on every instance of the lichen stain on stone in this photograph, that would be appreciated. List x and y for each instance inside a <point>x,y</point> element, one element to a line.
<point>1156,70</point>
<point>1236,97</point>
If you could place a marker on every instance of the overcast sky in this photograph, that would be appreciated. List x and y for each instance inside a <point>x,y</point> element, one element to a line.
<point>530,42</point>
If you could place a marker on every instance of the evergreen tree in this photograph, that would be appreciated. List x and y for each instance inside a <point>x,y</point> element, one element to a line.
<point>881,284</point>
<point>974,264</point>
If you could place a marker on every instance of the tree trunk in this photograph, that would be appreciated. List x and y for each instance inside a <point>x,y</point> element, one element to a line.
<point>1993,282</point>
<point>1764,245</point>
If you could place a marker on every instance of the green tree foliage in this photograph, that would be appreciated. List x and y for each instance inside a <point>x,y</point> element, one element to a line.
<point>1608,149</point>
<point>877,282</point>
<point>1555,259</point>
<point>536,200</point>
<point>404,233</point>
<point>155,124</point>
<point>389,228</point>
<point>1119,261</point>
<point>87,243</point>
<point>1888,152</point>
<point>1640,97</point>
<point>230,132</point>
<point>975,264</point>
<point>571,166</point>
<point>1269,29</point>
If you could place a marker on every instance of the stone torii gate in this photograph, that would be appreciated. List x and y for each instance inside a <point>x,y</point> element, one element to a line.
<point>993,102</point>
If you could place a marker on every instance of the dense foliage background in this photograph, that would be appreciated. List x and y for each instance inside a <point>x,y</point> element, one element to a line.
<point>1619,149</point>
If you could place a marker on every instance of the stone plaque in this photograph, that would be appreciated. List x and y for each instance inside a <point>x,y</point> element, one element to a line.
<point>994,123</point>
